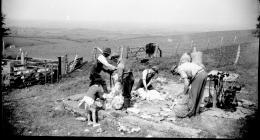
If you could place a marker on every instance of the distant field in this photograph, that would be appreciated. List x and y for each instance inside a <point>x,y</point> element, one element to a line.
<point>51,43</point>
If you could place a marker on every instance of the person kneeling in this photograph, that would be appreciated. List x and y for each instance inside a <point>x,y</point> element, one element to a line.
<point>148,77</point>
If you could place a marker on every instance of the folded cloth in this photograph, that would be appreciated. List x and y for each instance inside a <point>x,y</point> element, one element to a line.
<point>86,102</point>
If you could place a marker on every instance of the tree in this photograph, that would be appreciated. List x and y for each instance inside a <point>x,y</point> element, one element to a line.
<point>4,30</point>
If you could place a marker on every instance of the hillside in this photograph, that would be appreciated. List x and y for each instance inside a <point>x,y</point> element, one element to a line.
<point>32,110</point>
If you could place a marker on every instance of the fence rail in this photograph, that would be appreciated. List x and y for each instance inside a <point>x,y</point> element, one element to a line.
<point>29,71</point>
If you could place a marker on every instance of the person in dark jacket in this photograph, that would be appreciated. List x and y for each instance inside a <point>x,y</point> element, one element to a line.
<point>126,78</point>
<point>101,64</point>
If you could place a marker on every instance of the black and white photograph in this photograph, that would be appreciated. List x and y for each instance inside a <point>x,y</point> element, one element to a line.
<point>130,68</point>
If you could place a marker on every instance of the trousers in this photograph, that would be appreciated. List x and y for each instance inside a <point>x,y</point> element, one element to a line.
<point>190,107</point>
<point>97,79</point>
<point>127,82</point>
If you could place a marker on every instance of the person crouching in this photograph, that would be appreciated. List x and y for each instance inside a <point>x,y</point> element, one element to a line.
<point>90,104</point>
<point>147,79</point>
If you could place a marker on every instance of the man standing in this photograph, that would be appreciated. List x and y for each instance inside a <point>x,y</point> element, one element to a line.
<point>126,78</point>
<point>101,61</point>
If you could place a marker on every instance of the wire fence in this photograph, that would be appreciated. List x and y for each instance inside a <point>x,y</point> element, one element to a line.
<point>224,51</point>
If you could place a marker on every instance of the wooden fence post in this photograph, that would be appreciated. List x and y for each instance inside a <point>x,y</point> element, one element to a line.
<point>3,52</point>
<point>235,39</point>
<point>127,51</point>
<point>177,46</point>
<point>94,54</point>
<point>66,64</point>
<point>22,58</point>
<point>63,66</point>
<point>220,51</point>
<point>45,67</point>
<point>7,74</point>
<point>52,74</point>
<point>238,54</point>
<point>191,45</point>
<point>59,68</point>
<point>208,45</point>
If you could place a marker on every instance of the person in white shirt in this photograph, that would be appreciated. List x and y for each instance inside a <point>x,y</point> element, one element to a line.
<point>95,77</point>
<point>195,76</point>
<point>147,78</point>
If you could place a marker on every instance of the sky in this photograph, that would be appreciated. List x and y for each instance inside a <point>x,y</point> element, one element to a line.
<point>226,14</point>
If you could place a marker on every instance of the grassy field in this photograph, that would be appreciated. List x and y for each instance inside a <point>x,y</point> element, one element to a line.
<point>51,43</point>
<point>30,111</point>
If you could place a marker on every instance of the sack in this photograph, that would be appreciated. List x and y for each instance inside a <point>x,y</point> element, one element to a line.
<point>116,90</point>
<point>117,102</point>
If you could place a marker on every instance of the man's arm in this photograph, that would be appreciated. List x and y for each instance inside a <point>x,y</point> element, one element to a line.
<point>145,72</point>
<point>152,80</point>
<point>186,81</point>
<point>99,49</point>
<point>186,86</point>
<point>103,60</point>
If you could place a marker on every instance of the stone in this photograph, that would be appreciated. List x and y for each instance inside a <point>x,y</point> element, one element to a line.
<point>59,107</point>
<point>165,114</point>
<point>145,116</point>
<point>156,114</point>
<point>127,129</point>
<point>158,119</point>
<point>134,110</point>
<point>166,109</point>
<point>172,119</point>
<point>122,128</point>
<point>99,130</point>
<point>136,129</point>
<point>81,119</point>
